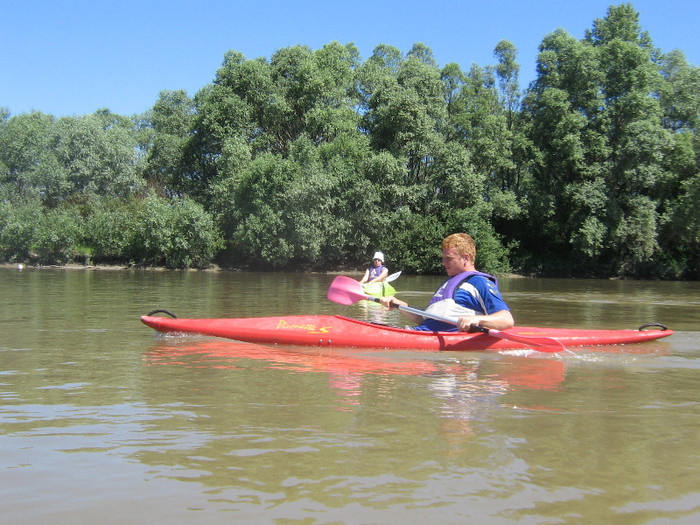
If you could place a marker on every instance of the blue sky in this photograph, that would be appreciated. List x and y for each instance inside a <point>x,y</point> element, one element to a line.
<point>74,57</point>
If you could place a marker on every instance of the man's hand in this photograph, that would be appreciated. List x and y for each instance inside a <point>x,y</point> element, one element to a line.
<point>391,302</point>
<point>501,320</point>
<point>465,323</point>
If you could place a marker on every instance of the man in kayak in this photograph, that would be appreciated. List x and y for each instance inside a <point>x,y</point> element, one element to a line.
<point>377,272</point>
<point>468,295</point>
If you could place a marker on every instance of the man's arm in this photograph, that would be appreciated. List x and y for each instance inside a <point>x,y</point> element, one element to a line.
<point>501,320</point>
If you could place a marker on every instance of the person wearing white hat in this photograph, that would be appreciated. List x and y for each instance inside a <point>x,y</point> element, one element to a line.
<point>377,272</point>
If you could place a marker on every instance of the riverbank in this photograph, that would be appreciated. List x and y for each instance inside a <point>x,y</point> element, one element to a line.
<point>112,267</point>
<point>24,266</point>
<point>213,269</point>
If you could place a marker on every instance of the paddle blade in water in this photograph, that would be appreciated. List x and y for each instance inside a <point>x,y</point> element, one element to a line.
<point>347,291</point>
<point>541,344</point>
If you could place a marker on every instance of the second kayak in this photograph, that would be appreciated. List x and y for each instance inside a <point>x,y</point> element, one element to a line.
<point>378,289</point>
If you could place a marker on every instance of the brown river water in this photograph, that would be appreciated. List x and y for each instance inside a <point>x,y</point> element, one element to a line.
<point>105,421</point>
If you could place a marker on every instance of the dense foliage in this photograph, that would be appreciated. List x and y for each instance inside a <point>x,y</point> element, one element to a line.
<point>314,159</point>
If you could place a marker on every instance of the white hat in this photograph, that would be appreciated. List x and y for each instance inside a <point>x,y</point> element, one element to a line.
<point>378,255</point>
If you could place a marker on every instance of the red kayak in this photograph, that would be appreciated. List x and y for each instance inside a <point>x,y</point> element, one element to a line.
<point>339,331</point>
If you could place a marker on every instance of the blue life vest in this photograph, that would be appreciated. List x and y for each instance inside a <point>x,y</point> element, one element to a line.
<point>449,287</point>
<point>451,300</point>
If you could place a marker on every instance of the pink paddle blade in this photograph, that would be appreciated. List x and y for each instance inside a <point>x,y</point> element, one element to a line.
<point>347,291</point>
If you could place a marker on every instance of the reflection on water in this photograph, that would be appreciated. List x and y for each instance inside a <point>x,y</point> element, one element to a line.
<point>105,421</point>
<point>509,372</point>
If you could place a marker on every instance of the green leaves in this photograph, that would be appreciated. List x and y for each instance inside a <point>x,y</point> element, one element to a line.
<point>313,159</point>
<point>606,164</point>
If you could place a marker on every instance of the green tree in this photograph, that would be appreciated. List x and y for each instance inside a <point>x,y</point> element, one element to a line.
<point>405,109</point>
<point>507,72</point>
<point>94,155</point>
<point>19,217</point>
<point>679,96</point>
<point>170,122</point>
<point>24,140</point>
<point>176,233</point>
<point>563,125</point>
<point>482,123</point>
<point>453,80</point>
<point>600,169</point>
<point>636,138</point>
<point>57,235</point>
<point>313,159</point>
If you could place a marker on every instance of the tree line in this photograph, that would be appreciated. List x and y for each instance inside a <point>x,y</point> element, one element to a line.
<point>314,159</point>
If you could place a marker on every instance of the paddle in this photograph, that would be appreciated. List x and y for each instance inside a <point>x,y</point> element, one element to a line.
<point>392,277</point>
<point>347,291</point>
